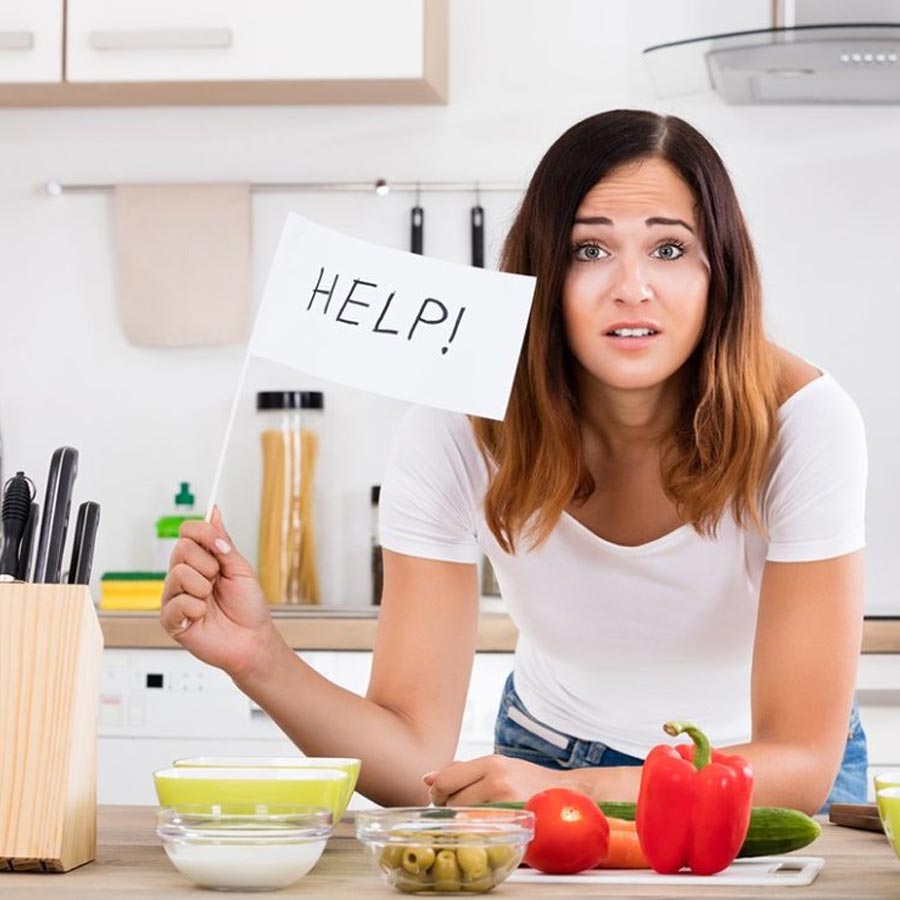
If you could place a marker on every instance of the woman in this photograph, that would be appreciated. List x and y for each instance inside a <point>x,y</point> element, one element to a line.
<point>673,507</point>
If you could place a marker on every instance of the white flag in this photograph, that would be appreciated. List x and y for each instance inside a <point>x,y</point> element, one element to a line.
<point>390,322</point>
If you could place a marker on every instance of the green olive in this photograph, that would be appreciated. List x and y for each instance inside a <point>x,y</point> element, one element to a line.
<point>417,859</point>
<point>391,856</point>
<point>446,872</point>
<point>501,855</point>
<point>474,862</point>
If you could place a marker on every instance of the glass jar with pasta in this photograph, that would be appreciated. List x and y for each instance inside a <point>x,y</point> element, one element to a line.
<point>291,437</point>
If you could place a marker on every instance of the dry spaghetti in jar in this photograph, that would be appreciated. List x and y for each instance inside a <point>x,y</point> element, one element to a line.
<point>291,436</point>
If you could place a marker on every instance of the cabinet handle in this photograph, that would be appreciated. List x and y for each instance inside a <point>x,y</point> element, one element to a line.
<point>163,39</point>
<point>16,40</point>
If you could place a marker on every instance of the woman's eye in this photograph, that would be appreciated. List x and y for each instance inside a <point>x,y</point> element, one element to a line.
<point>589,252</point>
<point>668,251</point>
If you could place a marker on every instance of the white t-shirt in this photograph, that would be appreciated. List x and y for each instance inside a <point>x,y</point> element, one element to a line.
<point>614,641</point>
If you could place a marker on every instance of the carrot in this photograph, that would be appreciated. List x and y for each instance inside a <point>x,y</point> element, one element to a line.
<point>624,848</point>
<point>621,824</point>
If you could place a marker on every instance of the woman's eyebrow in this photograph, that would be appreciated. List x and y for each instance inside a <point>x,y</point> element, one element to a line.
<point>653,220</point>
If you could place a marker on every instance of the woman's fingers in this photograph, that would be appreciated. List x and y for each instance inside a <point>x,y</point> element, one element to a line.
<point>183,579</point>
<point>212,538</point>
<point>196,556</point>
<point>454,778</point>
<point>180,613</point>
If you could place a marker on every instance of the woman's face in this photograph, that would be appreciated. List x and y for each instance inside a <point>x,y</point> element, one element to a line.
<point>634,297</point>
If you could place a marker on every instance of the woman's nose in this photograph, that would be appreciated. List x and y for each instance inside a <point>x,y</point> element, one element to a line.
<point>631,286</point>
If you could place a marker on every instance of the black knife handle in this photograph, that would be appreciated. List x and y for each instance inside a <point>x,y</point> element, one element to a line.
<point>40,559</point>
<point>76,543</point>
<point>478,236</point>
<point>417,222</point>
<point>27,545</point>
<point>59,523</point>
<point>88,539</point>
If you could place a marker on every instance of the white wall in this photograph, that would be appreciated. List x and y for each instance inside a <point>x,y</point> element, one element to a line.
<point>820,186</point>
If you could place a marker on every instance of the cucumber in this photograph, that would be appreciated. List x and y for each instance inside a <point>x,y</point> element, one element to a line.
<point>772,830</point>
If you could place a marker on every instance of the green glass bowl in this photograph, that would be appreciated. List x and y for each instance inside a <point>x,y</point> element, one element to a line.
<point>184,785</point>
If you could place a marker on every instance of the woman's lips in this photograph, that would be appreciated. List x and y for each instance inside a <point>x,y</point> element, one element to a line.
<point>631,343</point>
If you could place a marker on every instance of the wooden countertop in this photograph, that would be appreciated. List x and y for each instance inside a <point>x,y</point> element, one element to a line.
<point>340,629</point>
<point>131,863</point>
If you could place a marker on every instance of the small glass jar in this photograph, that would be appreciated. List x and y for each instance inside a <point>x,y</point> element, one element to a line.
<point>291,434</point>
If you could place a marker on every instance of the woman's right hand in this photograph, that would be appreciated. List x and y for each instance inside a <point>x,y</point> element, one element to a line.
<point>212,602</point>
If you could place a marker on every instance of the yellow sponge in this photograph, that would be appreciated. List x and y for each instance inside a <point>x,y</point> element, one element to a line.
<point>131,590</point>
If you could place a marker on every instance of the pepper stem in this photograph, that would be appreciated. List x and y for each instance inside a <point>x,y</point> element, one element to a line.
<point>702,748</point>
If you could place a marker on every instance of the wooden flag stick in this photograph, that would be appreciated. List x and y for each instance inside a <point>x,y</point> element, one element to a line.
<point>228,429</point>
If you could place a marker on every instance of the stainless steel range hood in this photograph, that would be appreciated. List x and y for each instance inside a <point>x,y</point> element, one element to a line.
<point>811,54</point>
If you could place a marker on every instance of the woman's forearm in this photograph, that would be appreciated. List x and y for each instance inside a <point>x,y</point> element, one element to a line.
<point>323,719</point>
<point>784,775</point>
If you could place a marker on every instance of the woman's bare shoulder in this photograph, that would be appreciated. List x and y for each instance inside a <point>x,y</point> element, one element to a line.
<point>792,373</point>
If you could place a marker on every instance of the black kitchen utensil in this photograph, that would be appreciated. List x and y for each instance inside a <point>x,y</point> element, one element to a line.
<point>83,544</point>
<point>16,508</point>
<point>55,521</point>
<point>26,547</point>
<point>478,236</point>
<point>417,236</point>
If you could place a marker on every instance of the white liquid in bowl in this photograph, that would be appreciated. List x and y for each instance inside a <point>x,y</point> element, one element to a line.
<point>259,867</point>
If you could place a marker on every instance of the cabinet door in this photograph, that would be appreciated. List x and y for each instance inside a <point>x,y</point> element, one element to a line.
<point>31,41</point>
<point>243,40</point>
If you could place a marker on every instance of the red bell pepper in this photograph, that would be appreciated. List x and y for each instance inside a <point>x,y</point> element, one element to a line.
<point>694,805</point>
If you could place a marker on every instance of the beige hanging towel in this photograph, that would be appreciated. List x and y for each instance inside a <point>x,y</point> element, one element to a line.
<point>184,263</point>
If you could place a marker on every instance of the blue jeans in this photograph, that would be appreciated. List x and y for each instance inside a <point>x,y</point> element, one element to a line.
<point>519,735</point>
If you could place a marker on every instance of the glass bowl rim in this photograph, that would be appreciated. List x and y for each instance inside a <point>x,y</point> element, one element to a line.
<point>485,825</point>
<point>228,823</point>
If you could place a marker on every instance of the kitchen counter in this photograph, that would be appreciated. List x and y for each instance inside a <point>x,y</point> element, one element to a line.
<point>354,629</point>
<point>131,863</point>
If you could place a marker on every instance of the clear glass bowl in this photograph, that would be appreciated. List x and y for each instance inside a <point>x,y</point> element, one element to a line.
<point>244,847</point>
<point>445,850</point>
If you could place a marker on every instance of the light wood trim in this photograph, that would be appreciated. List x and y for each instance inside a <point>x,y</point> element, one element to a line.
<point>881,636</point>
<point>50,655</point>
<point>222,93</point>
<point>496,632</point>
<point>436,48</point>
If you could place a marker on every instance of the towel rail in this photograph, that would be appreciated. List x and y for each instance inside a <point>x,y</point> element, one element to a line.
<point>381,187</point>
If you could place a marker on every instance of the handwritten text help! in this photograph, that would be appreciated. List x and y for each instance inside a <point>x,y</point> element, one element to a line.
<point>391,322</point>
<point>430,308</point>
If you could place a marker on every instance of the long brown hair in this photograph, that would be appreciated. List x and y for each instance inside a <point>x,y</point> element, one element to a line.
<point>718,454</point>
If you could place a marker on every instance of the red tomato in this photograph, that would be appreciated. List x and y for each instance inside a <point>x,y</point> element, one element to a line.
<point>571,833</point>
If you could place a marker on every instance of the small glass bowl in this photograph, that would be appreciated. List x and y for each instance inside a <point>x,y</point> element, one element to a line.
<point>242,846</point>
<point>445,850</point>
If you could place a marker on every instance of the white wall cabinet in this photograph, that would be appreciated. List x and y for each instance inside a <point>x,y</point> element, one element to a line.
<point>31,41</point>
<point>169,52</point>
<point>224,40</point>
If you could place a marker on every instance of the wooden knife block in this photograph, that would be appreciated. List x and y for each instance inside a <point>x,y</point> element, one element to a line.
<point>50,653</point>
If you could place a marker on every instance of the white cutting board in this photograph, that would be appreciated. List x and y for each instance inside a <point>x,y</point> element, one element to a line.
<point>783,871</point>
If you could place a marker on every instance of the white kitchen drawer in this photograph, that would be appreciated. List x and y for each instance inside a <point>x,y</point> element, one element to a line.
<point>238,40</point>
<point>31,41</point>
